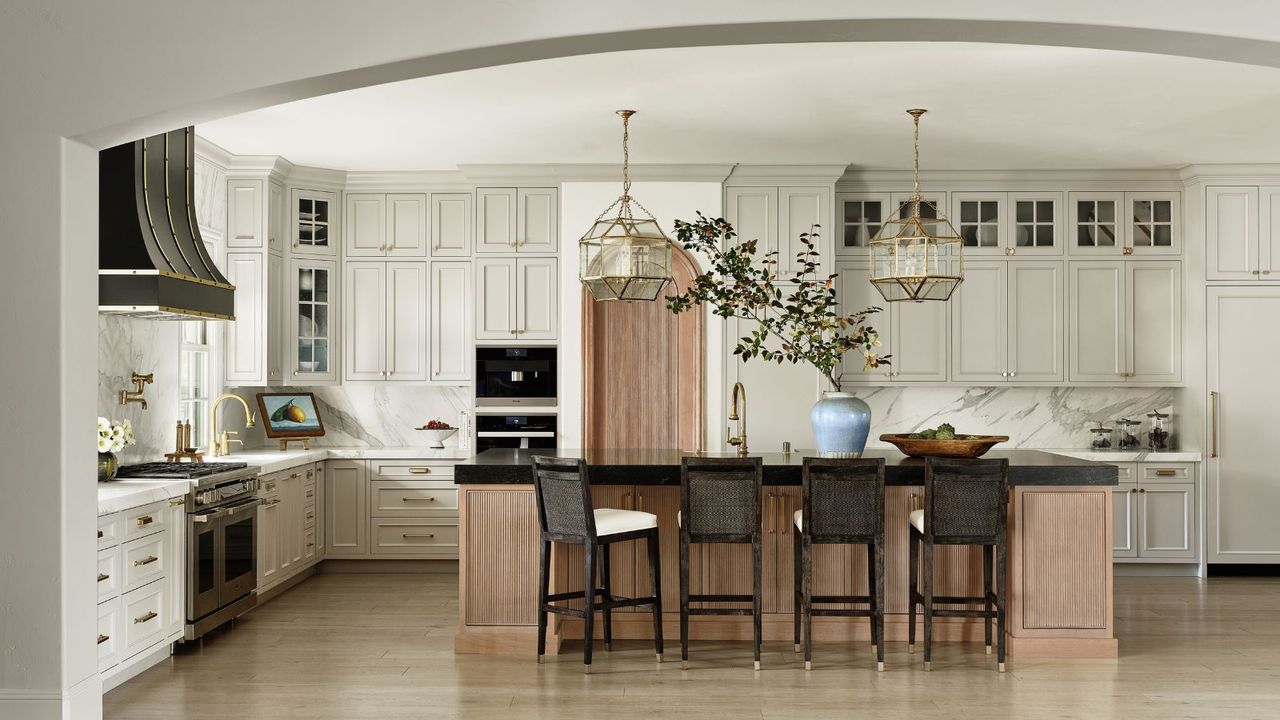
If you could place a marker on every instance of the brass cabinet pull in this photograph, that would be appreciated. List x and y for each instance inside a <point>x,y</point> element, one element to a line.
<point>1142,490</point>
<point>406,498</point>
<point>145,618</point>
<point>145,561</point>
<point>1213,424</point>
<point>784,527</point>
<point>103,576</point>
<point>311,493</point>
<point>145,520</point>
<point>292,476</point>
<point>1166,472</point>
<point>310,473</point>
<point>626,502</point>
<point>640,497</point>
<point>175,502</point>
<point>419,470</point>
<point>99,534</point>
<point>269,486</point>
<point>1133,491</point>
<point>417,535</point>
<point>103,638</point>
<point>772,501</point>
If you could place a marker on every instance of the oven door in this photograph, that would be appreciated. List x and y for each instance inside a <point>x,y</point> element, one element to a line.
<point>203,531</point>
<point>238,567</point>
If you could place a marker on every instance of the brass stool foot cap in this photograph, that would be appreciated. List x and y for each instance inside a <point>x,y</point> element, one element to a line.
<point>684,664</point>
<point>796,648</point>
<point>808,665</point>
<point>608,647</point>
<point>1001,667</point>
<point>988,649</point>
<point>540,659</point>
<point>586,669</point>
<point>757,664</point>
<point>880,667</point>
<point>659,657</point>
<point>911,648</point>
<point>928,666</point>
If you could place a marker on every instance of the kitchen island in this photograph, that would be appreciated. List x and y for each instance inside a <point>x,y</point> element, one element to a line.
<point>1060,575</point>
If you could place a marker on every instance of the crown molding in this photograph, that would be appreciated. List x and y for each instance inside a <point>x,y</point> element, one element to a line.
<point>555,173</point>
<point>784,174</point>
<point>315,178</point>
<point>862,179</point>
<point>1231,173</point>
<point>213,153</point>
<point>407,181</point>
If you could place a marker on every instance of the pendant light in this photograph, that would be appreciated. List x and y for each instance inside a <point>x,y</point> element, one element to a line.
<point>917,255</point>
<point>625,255</point>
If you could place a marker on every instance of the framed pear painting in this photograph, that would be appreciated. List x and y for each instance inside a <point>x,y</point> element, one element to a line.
<point>291,415</point>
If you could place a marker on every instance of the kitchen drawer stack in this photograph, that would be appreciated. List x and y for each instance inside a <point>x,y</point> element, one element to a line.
<point>392,509</point>
<point>141,598</point>
<point>1154,516</point>
<point>289,540</point>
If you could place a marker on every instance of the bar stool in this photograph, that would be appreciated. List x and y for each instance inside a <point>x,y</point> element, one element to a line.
<point>566,516</point>
<point>720,503</point>
<point>965,503</point>
<point>843,505</point>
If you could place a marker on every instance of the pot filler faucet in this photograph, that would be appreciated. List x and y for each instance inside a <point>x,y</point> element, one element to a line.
<point>222,440</point>
<point>741,440</point>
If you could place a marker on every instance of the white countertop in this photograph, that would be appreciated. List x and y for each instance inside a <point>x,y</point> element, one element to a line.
<point>124,494</point>
<point>270,460</point>
<point>1132,455</point>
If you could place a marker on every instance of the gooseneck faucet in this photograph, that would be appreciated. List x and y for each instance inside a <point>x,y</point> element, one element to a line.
<point>222,440</point>
<point>741,416</point>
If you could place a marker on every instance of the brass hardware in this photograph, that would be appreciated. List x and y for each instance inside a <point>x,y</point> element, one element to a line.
<point>641,497</point>
<point>741,440</point>
<point>99,534</point>
<point>784,527</point>
<point>103,576</point>
<point>772,501</point>
<point>135,395</point>
<point>1166,473</point>
<point>103,638</point>
<point>311,493</point>
<point>417,535</point>
<point>222,441</point>
<point>145,561</point>
<point>145,520</point>
<point>271,503</point>
<point>1128,251</point>
<point>175,502</point>
<point>1266,272</point>
<point>1213,424</point>
<point>310,473</point>
<point>1142,490</point>
<point>269,486</point>
<point>626,502</point>
<point>419,470</point>
<point>145,618</point>
<point>311,516</point>
<point>1255,272</point>
<point>293,476</point>
<point>406,498</point>
<point>1133,491</point>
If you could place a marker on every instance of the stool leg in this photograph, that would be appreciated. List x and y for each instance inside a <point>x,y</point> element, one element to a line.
<point>987,591</point>
<point>871,594</point>
<point>655,582</point>
<point>589,597</point>
<point>544,578</point>
<point>684,602</point>
<point>607,587</point>
<point>879,596</point>
<point>796,602</point>
<point>1002,588</point>
<point>756,617</point>
<point>913,580</point>
<point>928,605</point>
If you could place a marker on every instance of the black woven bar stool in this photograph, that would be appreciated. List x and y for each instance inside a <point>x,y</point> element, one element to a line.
<point>965,503</point>
<point>843,505</point>
<point>719,503</point>
<point>566,516</point>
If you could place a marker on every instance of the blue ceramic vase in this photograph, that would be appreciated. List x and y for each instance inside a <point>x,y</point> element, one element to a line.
<point>841,423</point>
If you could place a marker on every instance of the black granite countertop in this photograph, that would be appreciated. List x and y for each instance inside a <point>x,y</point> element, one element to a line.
<point>662,467</point>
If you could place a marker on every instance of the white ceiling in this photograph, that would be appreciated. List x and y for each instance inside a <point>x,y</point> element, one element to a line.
<point>991,106</point>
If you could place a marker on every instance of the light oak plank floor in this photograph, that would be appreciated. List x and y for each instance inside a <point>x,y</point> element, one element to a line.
<point>381,646</point>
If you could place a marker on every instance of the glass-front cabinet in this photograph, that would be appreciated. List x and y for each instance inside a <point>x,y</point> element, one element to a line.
<point>860,216</point>
<point>1154,223</point>
<point>1035,223</point>
<point>1133,223</point>
<point>313,346</point>
<point>979,220</point>
<point>314,223</point>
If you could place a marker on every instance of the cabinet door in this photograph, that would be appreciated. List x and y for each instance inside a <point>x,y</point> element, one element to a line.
<point>451,323</point>
<point>275,217</point>
<point>365,233</point>
<point>800,210</point>
<point>1036,321</point>
<point>538,226</point>
<point>753,212</point>
<point>853,282</point>
<point>1094,224</point>
<point>407,321</point>
<point>1231,233</point>
<point>979,323</point>
<point>859,218</point>
<point>313,222</point>
<point>1153,223</point>
<point>286,522</point>
<point>364,318</point>
<point>313,294</point>
<point>451,224</point>
<point>346,509</point>
<point>980,219</point>
<point>407,225</point>
<point>1269,233</point>
<point>779,548</point>
<point>245,226</point>
<point>495,220</point>
<point>268,540</point>
<point>1166,520</point>
<point>1097,321</point>
<point>496,299</point>
<point>245,339</point>
<point>919,342</point>
<point>536,298</point>
<point>1035,222</point>
<point>931,204</point>
<point>176,537</point>
<point>1155,321</point>
<point>275,318</point>
<point>1124,520</point>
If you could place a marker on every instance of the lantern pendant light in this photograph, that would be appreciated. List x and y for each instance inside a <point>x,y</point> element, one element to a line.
<point>917,255</point>
<point>625,255</point>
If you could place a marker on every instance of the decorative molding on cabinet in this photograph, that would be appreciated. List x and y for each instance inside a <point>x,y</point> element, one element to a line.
<point>556,173</point>
<point>862,179</point>
<point>750,175</point>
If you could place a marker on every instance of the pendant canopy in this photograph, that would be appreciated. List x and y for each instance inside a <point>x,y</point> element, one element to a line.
<point>917,255</point>
<point>625,255</point>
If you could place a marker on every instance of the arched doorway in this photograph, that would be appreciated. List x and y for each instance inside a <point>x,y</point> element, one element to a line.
<point>643,383</point>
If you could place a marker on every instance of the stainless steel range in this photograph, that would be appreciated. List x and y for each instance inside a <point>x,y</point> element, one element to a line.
<point>222,526</point>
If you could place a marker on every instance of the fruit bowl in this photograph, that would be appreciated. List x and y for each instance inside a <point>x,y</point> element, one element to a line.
<point>437,437</point>
<point>961,447</point>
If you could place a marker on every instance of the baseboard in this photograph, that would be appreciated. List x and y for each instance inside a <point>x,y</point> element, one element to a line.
<point>411,567</point>
<point>135,666</point>
<point>287,584</point>
<point>81,702</point>
<point>1156,569</point>
<point>1244,570</point>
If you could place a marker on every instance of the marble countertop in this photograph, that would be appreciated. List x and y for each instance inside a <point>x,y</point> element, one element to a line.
<point>270,460</point>
<point>125,494</point>
<point>1131,455</point>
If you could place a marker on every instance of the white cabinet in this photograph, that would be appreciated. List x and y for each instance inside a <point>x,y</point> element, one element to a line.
<point>346,509</point>
<point>1007,322</point>
<point>406,225</point>
<point>252,347</point>
<point>1154,223</point>
<point>1124,513</point>
<point>853,283</point>
<point>980,218</point>
<point>246,221</point>
<point>313,340</point>
<point>385,320</point>
<point>859,217</point>
<point>517,220</point>
<point>313,222</point>
<point>1132,223</point>
<point>495,220</point>
<point>286,533</point>
<point>275,318</point>
<point>979,323</point>
<point>1125,321</point>
<point>1242,233</point>
<point>1035,223</point>
<point>915,334</point>
<point>516,298</point>
<point>275,217</point>
<point>245,340</point>
<point>776,217</point>
<point>451,346</point>
<point>378,225</point>
<point>269,533</point>
<point>1166,520</point>
<point>753,213</point>
<point>1037,321</point>
<point>451,223</point>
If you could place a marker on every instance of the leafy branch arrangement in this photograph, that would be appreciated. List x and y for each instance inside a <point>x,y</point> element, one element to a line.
<point>805,319</point>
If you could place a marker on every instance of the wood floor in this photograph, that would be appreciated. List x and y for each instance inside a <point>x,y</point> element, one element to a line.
<point>381,646</point>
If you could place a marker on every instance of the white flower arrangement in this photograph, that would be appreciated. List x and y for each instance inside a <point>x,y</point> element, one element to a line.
<point>114,435</point>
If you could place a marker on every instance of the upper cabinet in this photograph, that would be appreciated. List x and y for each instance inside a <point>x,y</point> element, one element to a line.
<point>1125,322</point>
<point>1007,322</point>
<point>517,220</point>
<point>859,217</point>
<point>313,222</point>
<point>255,214</point>
<point>516,299</point>
<point>313,340</point>
<point>1242,233</point>
<point>915,334</point>
<point>385,321</point>
<point>1132,223</point>
<point>451,224</point>
<point>386,226</point>
<point>777,216</point>
<point>252,346</point>
<point>452,356</point>
<point>1015,224</point>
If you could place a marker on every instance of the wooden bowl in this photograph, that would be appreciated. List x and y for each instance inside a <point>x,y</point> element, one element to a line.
<point>958,448</point>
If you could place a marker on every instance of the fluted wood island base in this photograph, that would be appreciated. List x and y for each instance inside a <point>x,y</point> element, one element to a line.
<point>1060,582</point>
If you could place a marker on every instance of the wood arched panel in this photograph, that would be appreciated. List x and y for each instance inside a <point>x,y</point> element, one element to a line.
<point>644,383</point>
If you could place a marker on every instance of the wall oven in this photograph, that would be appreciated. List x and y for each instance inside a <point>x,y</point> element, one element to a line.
<point>516,376</point>
<point>515,431</point>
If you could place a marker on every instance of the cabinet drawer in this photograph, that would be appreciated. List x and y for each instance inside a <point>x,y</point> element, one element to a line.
<point>405,498</point>
<point>145,560</point>
<point>1168,472</point>
<point>110,530</point>
<point>1128,472</point>
<point>413,537</point>
<point>309,548</point>
<point>309,516</point>
<point>145,617</point>
<point>109,575</point>
<point>145,520</point>
<point>410,470</point>
<point>110,634</point>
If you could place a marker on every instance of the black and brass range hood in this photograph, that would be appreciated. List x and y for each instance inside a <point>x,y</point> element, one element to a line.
<point>152,262</point>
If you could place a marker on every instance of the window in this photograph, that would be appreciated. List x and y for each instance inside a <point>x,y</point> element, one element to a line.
<point>194,379</point>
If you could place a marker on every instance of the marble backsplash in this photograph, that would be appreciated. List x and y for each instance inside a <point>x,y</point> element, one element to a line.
<point>1035,417</point>
<point>128,345</point>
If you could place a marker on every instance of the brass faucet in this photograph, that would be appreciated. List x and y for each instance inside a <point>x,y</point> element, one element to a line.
<point>222,440</point>
<point>135,395</point>
<point>741,440</point>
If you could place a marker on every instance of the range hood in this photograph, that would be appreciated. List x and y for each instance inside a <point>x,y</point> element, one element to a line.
<point>152,262</point>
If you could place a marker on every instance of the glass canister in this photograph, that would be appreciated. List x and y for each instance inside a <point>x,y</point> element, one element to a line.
<point>1129,434</point>
<point>1102,437</point>
<point>1161,431</point>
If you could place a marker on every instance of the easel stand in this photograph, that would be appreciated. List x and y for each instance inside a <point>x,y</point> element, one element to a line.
<point>284,443</point>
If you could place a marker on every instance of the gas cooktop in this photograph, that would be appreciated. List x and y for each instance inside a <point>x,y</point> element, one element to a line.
<point>177,471</point>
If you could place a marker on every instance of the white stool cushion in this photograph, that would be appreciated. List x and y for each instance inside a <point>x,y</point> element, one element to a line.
<point>610,521</point>
<point>916,518</point>
<point>798,518</point>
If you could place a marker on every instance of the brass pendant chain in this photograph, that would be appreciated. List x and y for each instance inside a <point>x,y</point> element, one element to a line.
<point>626,160</point>
<point>915,115</point>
